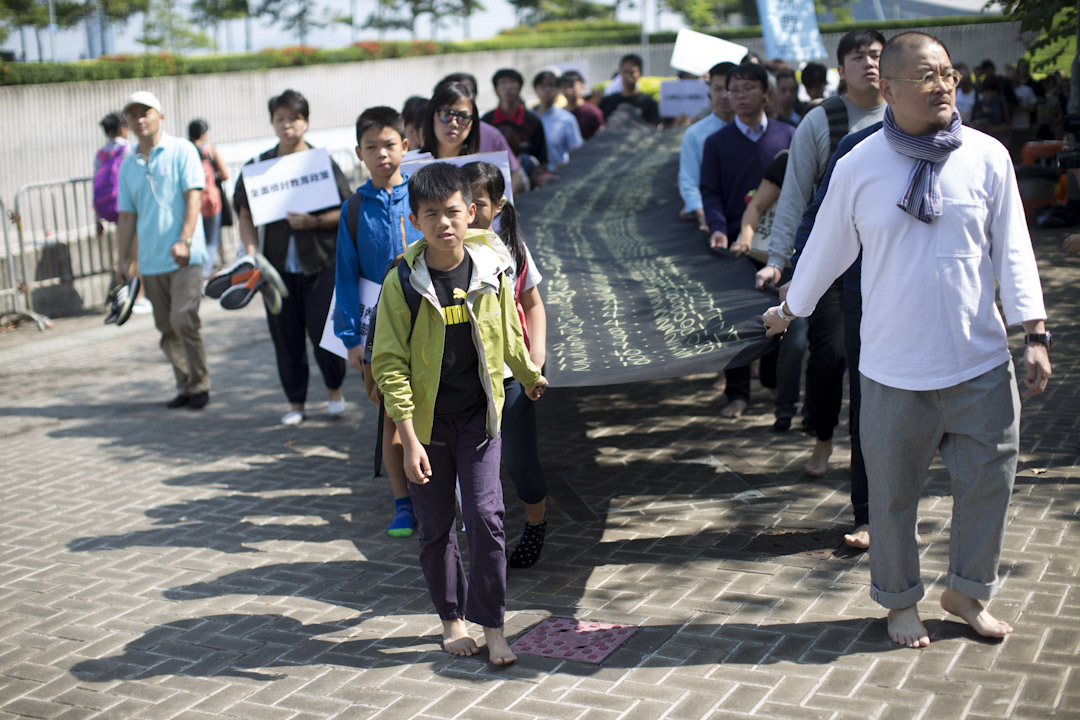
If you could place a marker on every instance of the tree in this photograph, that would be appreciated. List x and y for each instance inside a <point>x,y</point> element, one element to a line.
<point>294,15</point>
<point>215,12</point>
<point>166,29</point>
<point>1048,25</point>
<point>403,14</point>
<point>532,12</point>
<point>466,10</point>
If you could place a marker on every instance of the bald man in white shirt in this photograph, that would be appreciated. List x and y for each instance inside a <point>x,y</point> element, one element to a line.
<point>935,208</point>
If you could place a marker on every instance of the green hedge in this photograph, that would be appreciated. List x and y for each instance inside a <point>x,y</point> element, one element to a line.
<point>547,35</point>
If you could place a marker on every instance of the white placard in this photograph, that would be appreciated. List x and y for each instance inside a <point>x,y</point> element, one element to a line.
<point>696,52</point>
<point>369,298</point>
<point>683,97</point>
<point>790,30</point>
<point>298,182</point>
<point>498,158</point>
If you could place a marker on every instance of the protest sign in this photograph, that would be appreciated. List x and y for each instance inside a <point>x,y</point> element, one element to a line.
<point>498,158</point>
<point>631,293</point>
<point>790,30</point>
<point>683,97</point>
<point>298,182</point>
<point>696,52</point>
<point>369,298</point>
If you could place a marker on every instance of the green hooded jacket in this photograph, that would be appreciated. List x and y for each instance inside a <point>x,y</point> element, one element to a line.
<point>407,369</point>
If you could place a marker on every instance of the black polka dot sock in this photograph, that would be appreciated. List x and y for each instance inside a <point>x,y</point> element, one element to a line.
<point>528,548</point>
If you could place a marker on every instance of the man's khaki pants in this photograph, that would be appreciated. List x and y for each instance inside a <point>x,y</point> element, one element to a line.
<point>175,297</point>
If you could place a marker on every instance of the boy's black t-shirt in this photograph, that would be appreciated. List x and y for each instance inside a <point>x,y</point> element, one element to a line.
<point>460,392</point>
<point>644,106</point>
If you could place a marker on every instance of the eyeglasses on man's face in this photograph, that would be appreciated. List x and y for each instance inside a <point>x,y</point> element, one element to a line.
<point>951,78</point>
<point>446,115</point>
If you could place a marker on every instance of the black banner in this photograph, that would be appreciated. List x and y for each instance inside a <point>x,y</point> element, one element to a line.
<point>631,292</point>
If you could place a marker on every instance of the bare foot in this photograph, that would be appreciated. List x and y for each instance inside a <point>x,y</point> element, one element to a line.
<point>733,409</point>
<point>456,639</point>
<point>974,614</point>
<point>720,385</point>
<point>859,538</point>
<point>499,652</point>
<point>818,464</point>
<point>905,628</point>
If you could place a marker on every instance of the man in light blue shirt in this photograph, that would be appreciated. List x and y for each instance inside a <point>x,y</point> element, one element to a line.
<point>561,128</point>
<point>693,144</point>
<point>160,196</point>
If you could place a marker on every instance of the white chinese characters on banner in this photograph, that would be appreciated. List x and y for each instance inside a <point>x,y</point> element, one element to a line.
<point>298,182</point>
<point>791,30</point>
<point>369,298</point>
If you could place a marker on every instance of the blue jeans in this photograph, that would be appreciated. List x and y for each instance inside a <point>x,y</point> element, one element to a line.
<point>212,228</point>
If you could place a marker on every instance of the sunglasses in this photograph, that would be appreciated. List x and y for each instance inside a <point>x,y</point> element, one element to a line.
<point>445,115</point>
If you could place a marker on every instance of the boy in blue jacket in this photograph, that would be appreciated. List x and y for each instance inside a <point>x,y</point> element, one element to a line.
<point>378,212</point>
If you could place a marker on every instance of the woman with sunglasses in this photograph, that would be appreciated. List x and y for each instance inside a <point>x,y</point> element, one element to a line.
<point>452,127</point>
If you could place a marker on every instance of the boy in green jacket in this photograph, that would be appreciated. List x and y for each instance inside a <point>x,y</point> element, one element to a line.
<point>435,372</point>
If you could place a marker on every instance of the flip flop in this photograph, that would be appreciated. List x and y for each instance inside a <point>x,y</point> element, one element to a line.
<point>225,278</point>
<point>241,294</point>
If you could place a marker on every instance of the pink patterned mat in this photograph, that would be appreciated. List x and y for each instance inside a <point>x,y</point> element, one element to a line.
<point>570,639</point>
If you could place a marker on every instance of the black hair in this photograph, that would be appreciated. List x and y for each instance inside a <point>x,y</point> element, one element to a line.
<point>445,95</point>
<point>750,71</point>
<point>856,39</point>
<point>750,57</point>
<point>570,77</point>
<point>413,111</point>
<point>438,182</point>
<point>786,74</point>
<point>196,129</point>
<point>632,58</point>
<point>992,82</point>
<point>112,123</point>
<point>289,99</point>
<point>543,75</point>
<point>814,74</point>
<point>490,178</point>
<point>892,56</point>
<point>378,118</point>
<point>460,77</point>
<point>722,68</point>
<point>507,73</point>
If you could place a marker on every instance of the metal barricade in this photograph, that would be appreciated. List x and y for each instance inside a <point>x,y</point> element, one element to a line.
<point>65,257</point>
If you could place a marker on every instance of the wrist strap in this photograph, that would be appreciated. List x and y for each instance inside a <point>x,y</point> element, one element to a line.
<point>783,315</point>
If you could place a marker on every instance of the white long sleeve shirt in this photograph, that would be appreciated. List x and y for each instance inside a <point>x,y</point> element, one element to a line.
<point>929,316</point>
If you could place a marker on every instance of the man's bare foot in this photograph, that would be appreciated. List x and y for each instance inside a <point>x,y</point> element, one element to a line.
<point>972,611</point>
<point>456,639</point>
<point>720,384</point>
<point>818,464</point>
<point>733,409</point>
<point>499,652</point>
<point>859,538</point>
<point>905,628</point>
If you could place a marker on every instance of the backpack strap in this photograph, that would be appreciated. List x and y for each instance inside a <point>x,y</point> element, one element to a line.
<point>836,112</point>
<point>352,215</point>
<point>519,281</point>
<point>412,297</point>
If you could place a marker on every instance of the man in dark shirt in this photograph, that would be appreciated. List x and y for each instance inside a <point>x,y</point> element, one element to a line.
<point>644,106</point>
<point>527,127</point>
<point>589,117</point>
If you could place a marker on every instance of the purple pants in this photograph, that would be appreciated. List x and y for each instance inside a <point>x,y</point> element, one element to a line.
<point>460,450</point>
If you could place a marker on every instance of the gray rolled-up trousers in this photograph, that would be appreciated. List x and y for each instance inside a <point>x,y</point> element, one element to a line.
<point>975,425</point>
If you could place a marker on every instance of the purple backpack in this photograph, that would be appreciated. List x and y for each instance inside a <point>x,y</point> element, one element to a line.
<point>106,182</point>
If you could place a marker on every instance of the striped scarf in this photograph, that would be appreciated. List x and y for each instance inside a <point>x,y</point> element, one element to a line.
<point>922,198</point>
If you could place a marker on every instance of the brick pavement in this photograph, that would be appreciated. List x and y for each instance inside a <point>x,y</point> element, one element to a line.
<point>162,564</point>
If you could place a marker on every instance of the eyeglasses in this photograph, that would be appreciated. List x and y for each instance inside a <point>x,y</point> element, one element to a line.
<point>929,81</point>
<point>739,92</point>
<point>445,115</point>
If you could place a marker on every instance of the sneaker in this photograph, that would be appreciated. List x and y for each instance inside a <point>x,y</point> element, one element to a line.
<point>271,274</point>
<point>335,407</point>
<point>402,524</point>
<point>121,301</point>
<point>293,417</point>
<point>142,306</point>
<point>240,294</point>
<point>224,279</point>
<point>178,402</point>
<point>271,298</point>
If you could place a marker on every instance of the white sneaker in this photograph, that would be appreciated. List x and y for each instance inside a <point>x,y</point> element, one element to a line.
<point>293,417</point>
<point>142,306</point>
<point>335,407</point>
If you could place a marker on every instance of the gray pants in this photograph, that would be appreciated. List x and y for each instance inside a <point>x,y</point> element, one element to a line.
<point>975,425</point>
<point>175,297</point>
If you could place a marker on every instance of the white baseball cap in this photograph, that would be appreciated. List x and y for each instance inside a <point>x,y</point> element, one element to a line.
<point>143,97</point>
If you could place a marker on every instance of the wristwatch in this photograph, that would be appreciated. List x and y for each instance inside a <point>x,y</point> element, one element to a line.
<point>1043,338</point>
